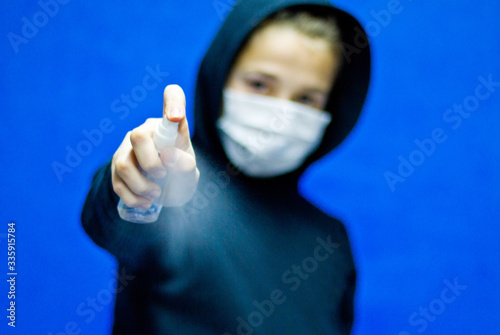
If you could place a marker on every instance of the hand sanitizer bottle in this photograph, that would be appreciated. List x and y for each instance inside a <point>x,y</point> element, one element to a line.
<point>164,136</point>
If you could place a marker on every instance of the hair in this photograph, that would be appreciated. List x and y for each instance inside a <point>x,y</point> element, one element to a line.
<point>309,24</point>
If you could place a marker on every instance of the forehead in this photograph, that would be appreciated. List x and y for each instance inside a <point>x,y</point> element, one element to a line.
<point>282,51</point>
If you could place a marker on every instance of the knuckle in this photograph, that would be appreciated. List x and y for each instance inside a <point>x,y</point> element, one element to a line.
<point>118,189</point>
<point>137,136</point>
<point>151,120</point>
<point>121,166</point>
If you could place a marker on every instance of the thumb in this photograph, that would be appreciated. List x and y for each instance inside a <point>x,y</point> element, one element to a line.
<point>174,103</point>
<point>174,107</point>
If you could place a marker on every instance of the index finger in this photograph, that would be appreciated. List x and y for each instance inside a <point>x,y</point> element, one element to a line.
<point>174,108</point>
<point>174,103</point>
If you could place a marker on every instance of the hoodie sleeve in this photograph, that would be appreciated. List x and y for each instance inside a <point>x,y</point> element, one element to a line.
<point>100,219</point>
<point>347,305</point>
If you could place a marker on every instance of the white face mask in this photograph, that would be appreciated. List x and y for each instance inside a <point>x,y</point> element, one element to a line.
<point>265,136</point>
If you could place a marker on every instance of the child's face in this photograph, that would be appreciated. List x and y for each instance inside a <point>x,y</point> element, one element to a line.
<point>281,62</point>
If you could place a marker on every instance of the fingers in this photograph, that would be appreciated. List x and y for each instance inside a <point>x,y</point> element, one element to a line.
<point>144,148</point>
<point>137,157</point>
<point>128,197</point>
<point>176,160</point>
<point>127,170</point>
<point>182,176</point>
<point>183,138</point>
<point>174,107</point>
<point>174,103</point>
<point>128,181</point>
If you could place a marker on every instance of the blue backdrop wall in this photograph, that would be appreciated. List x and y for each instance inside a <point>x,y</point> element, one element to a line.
<point>416,183</point>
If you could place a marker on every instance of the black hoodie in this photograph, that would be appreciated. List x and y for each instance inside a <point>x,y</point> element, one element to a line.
<point>246,255</point>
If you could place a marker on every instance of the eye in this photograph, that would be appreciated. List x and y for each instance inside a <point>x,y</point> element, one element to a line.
<point>256,85</point>
<point>315,99</point>
<point>306,100</point>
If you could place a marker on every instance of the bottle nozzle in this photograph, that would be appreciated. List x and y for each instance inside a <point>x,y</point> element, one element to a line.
<point>165,134</point>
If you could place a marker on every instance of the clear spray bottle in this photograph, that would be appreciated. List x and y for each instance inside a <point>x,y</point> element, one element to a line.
<point>164,136</point>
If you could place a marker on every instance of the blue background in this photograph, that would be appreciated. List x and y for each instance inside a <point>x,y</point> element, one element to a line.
<point>440,224</point>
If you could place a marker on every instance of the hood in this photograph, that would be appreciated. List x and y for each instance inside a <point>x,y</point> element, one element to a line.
<point>345,101</point>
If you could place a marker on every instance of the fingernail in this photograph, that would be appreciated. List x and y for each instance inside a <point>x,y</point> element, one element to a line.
<point>174,112</point>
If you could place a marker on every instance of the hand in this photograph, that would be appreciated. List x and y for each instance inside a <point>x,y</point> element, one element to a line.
<point>138,151</point>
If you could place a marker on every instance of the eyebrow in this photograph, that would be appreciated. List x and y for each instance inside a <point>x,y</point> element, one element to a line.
<point>263,74</point>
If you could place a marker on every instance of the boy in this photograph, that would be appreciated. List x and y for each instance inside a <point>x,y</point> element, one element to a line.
<point>236,249</point>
